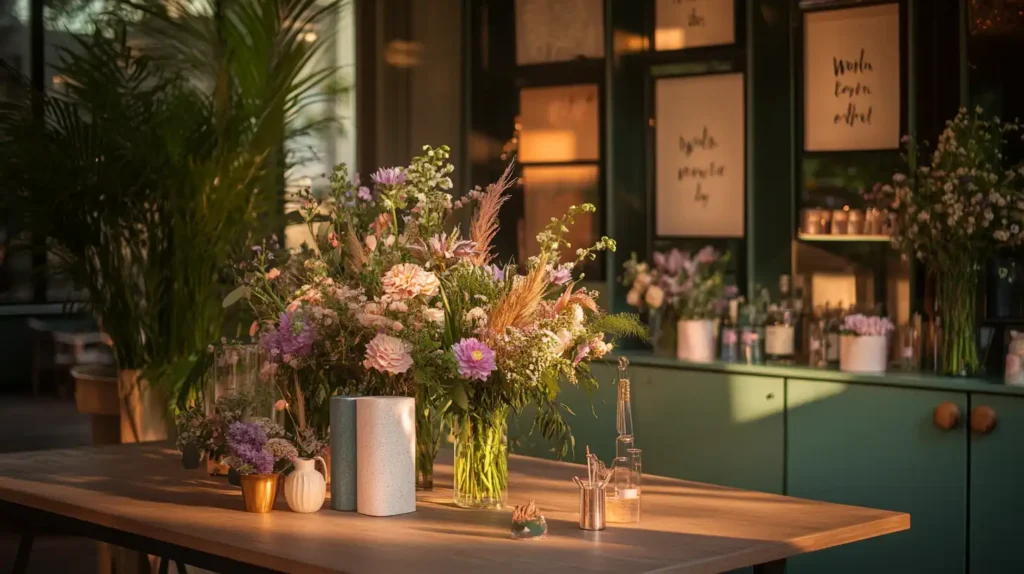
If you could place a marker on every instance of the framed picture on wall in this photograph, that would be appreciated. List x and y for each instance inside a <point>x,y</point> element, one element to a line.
<point>700,151</point>
<point>852,82</point>
<point>550,31</point>
<point>681,24</point>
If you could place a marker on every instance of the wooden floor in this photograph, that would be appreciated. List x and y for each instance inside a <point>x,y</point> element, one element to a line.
<point>35,424</point>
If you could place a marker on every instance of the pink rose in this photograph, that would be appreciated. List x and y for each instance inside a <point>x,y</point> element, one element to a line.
<point>280,405</point>
<point>254,328</point>
<point>273,274</point>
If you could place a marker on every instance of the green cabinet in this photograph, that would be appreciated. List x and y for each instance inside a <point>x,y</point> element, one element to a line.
<point>876,446</point>
<point>997,487</point>
<point>712,427</point>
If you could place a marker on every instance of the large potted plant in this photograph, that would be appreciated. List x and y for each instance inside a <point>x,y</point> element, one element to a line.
<point>957,207</point>
<point>153,152</point>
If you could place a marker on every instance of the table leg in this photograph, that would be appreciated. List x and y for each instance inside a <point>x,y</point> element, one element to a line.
<point>774,567</point>
<point>24,552</point>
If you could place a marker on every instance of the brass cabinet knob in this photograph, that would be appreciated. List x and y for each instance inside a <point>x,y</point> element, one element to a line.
<point>983,419</point>
<point>946,416</point>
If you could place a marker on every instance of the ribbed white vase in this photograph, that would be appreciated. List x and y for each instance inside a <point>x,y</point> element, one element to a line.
<point>305,489</point>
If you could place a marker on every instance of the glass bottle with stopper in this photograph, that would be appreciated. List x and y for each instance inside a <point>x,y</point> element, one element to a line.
<point>623,413</point>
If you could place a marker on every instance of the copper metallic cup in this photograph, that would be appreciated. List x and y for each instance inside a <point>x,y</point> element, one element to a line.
<point>259,491</point>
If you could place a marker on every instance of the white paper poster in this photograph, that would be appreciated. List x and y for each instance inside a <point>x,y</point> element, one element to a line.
<point>700,142</point>
<point>558,30</point>
<point>682,24</point>
<point>852,79</point>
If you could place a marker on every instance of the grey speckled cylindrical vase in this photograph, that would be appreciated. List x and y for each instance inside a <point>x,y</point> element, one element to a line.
<point>343,453</point>
<point>386,455</point>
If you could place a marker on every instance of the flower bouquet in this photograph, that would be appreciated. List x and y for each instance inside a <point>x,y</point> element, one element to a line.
<point>864,344</point>
<point>396,300</point>
<point>953,212</point>
<point>258,453</point>
<point>691,288</point>
<point>195,436</point>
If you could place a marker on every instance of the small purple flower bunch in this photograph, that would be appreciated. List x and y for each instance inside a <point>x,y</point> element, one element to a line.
<point>862,325</point>
<point>292,339</point>
<point>254,450</point>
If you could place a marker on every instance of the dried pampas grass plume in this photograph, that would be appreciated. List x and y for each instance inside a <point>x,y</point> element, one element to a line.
<point>354,250</point>
<point>484,226</point>
<point>518,307</point>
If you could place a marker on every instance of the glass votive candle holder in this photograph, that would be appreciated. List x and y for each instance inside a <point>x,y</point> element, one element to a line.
<point>855,222</point>
<point>826,220</point>
<point>840,222</point>
<point>811,224</point>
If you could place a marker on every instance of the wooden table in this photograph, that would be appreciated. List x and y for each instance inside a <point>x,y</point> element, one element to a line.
<point>138,496</point>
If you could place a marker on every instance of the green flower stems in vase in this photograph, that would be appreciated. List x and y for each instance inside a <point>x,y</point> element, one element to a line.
<point>428,442</point>
<point>957,292</point>
<point>481,460</point>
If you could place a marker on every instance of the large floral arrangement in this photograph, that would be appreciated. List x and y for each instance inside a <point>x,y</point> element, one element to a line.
<point>692,285</point>
<point>954,211</point>
<point>394,298</point>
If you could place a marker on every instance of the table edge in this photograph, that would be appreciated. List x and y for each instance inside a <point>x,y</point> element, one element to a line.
<point>173,537</point>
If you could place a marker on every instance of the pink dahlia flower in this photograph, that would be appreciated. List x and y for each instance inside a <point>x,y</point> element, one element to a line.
<point>388,354</point>
<point>407,280</point>
<point>475,359</point>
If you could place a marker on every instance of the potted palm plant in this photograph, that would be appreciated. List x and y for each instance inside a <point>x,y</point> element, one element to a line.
<point>152,171</point>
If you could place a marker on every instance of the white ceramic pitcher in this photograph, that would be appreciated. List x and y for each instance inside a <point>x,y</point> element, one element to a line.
<point>305,488</point>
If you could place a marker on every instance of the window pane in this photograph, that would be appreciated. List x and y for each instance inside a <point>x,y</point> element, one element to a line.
<point>559,124</point>
<point>15,258</point>
<point>334,141</point>
<point>549,192</point>
<point>558,30</point>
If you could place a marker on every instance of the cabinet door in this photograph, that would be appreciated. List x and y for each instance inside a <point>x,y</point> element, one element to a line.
<point>592,420</point>
<point>710,427</point>
<point>877,446</point>
<point>997,487</point>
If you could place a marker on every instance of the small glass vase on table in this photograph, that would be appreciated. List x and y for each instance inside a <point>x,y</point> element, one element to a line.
<point>481,460</point>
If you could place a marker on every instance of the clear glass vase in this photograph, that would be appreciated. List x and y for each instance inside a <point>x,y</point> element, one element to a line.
<point>481,459</point>
<point>236,372</point>
<point>428,441</point>
<point>957,294</point>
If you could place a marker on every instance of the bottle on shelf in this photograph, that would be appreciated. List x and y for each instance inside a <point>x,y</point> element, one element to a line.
<point>833,323</point>
<point>800,319</point>
<point>729,333</point>
<point>780,328</point>
<point>817,341</point>
<point>623,413</point>
<point>751,327</point>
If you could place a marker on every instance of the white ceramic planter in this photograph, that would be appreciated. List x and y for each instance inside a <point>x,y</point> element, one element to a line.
<point>305,488</point>
<point>863,354</point>
<point>695,340</point>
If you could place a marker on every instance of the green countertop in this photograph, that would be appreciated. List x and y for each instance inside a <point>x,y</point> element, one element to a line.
<point>891,379</point>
